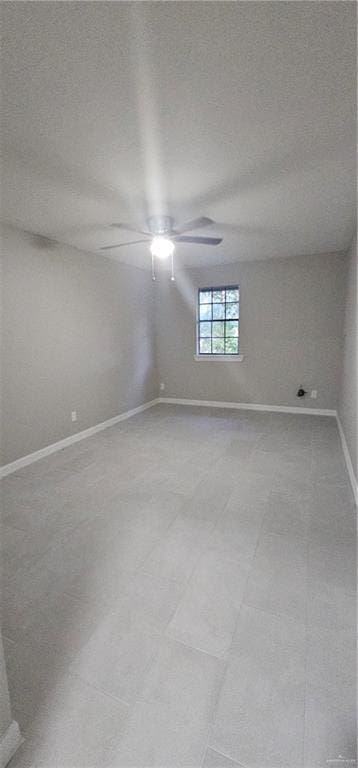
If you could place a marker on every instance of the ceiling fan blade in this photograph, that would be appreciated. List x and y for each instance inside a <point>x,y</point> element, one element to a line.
<point>129,228</point>
<point>203,221</point>
<point>199,240</point>
<point>121,245</point>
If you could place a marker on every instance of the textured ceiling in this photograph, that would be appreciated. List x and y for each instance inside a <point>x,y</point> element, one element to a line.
<point>244,112</point>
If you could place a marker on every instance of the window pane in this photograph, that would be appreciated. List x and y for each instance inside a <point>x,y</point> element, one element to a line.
<point>231,346</point>
<point>205,329</point>
<point>205,311</point>
<point>232,328</point>
<point>218,329</point>
<point>219,296</point>
<point>218,347</point>
<point>205,297</point>
<point>232,310</point>
<point>218,311</point>
<point>232,294</point>
<point>205,346</point>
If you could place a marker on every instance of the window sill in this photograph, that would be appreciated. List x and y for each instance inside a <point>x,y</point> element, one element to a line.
<point>219,358</point>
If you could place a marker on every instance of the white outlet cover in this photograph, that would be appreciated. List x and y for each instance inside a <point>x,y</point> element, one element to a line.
<point>314,393</point>
<point>73,415</point>
<point>162,386</point>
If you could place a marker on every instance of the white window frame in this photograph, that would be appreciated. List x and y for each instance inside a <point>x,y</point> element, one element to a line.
<point>236,357</point>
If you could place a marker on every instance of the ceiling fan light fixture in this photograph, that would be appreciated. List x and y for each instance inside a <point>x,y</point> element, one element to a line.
<point>162,247</point>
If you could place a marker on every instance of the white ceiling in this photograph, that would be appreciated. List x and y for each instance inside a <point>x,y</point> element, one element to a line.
<point>244,112</point>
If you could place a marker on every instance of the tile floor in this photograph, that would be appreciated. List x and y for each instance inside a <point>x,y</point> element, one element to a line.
<point>179,590</point>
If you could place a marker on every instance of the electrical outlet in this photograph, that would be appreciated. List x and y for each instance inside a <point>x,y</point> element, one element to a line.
<point>162,386</point>
<point>314,394</point>
<point>73,415</point>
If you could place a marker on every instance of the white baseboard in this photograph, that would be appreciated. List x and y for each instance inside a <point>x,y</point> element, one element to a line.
<point>249,406</point>
<point>348,461</point>
<point>9,743</point>
<point>7,469</point>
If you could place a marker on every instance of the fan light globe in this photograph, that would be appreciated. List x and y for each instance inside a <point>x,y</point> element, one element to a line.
<point>162,247</point>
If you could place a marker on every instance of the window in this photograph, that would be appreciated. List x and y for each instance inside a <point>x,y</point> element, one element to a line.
<point>218,320</point>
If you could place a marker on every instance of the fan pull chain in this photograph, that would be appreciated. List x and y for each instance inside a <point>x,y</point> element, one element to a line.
<point>172,275</point>
<point>153,270</point>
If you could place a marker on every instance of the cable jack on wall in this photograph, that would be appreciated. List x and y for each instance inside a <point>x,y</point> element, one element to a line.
<point>301,392</point>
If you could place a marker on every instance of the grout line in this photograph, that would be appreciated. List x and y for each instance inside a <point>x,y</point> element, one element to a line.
<point>194,648</point>
<point>96,688</point>
<point>278,615</point>
<point>8,639</point>
<point>232,759</point>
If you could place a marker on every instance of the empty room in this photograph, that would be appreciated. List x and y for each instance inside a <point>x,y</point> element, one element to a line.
<point>178,384</point>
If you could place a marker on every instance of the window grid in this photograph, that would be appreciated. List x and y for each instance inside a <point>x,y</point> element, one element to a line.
<point>218,305</point>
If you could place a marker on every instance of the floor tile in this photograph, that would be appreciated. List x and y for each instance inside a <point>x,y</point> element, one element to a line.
<point>278,579</point>
<point>20,604</point>
<point>184,482</point>
<point>143,511</point>
<point>264,462</point>
<point>131,547</point>
<point>330,732</point>
<point>30,511</point>
<point>330,606</point>
<point>101,581</point>
<point>203,509</point>
<point>20,549</point>
<point>236,534</point>
<point>332,499</point>
<point>331,662</point>
<point>64,624</point>
<point>290,483</point>
<point>241,449</point>
<point>260,715</point>
<point>185,680</point>
<point>332,519</point>
<point>286,516</point>
<point>214,490</point>
<point>78,726</point>
<point>207,613</point>
<point>147,602</point>
<point>156,736</point>
<point>329,469</point>
<point>176,554</point>
<point>251,489</point>
<point>32,675</point>
<point>161,510</point>
<point>270,639</point>
<point>115,663</point>
<point>334,564</point>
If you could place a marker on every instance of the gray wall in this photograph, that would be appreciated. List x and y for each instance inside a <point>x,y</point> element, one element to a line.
<point>291,332</point>
<point>347,405</point>
<point>78,334</point>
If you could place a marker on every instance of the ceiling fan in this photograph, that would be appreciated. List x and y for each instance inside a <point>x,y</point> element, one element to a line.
<point>162,236</point>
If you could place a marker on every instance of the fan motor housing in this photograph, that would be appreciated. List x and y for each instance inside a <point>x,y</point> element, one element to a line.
<point>160,225</point>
